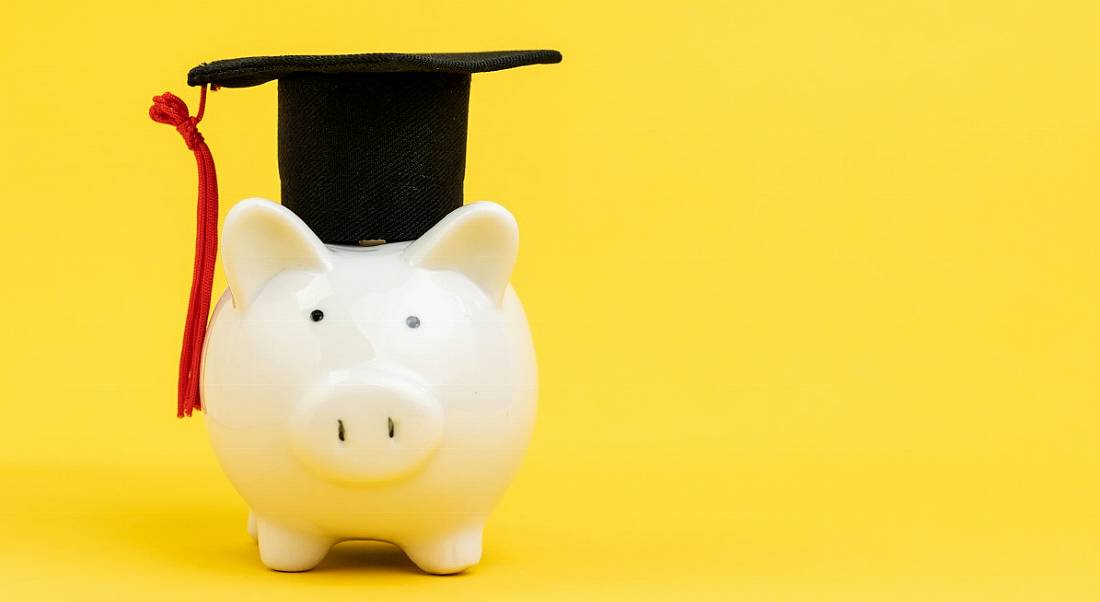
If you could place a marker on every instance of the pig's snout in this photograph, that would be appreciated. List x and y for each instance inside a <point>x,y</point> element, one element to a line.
<point>364,433</point>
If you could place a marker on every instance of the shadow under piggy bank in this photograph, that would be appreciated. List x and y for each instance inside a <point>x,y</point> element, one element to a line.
<point>366,556</point>
<point>221,546</point>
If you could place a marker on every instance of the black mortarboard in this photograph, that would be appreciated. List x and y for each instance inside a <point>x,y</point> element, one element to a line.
<point>371,146</point>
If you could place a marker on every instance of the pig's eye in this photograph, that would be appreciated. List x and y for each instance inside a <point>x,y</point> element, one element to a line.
<point>316,315</point>
<point>412,322</point>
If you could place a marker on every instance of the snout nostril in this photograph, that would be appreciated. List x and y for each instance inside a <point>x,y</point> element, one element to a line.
<point>389,422</point>
<point>340,430</point>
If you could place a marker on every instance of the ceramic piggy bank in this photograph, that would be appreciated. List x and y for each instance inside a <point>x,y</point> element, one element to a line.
<point>382,392</point>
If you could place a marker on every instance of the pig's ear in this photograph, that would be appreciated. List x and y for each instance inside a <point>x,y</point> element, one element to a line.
<point>260,239</point>
<point>480,240</point>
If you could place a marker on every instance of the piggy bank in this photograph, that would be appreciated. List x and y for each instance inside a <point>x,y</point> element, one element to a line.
<point>369,392</point>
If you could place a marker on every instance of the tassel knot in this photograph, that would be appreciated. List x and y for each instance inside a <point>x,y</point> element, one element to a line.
<point>170,109</point>
<point>190,133</point>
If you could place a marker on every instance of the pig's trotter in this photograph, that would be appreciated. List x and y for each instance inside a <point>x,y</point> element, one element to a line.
<point>252,526</point>
<point>287,550</point>
<point>447,554</point>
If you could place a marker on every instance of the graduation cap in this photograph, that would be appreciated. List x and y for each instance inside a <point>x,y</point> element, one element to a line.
<point>372,148</point>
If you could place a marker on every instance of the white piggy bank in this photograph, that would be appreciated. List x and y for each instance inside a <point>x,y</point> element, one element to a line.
<point>382,393</point>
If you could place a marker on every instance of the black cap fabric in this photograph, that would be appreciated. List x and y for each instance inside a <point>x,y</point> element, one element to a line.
<point>255,70</point>
<point>371,146</point>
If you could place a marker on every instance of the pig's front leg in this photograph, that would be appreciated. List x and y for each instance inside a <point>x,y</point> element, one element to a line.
<point>290,550</point>
<point>252,526</point>
<point>447,553</point>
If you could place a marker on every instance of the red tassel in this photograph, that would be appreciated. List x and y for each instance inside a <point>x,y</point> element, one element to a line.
<point>168,108</point>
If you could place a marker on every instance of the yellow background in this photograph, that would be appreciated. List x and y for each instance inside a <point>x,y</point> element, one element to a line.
<point>815,290</point>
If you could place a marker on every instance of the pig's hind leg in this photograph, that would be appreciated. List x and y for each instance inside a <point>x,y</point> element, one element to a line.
<point>448,553</point>
<point>252,526</point>
<point>290,550</point>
